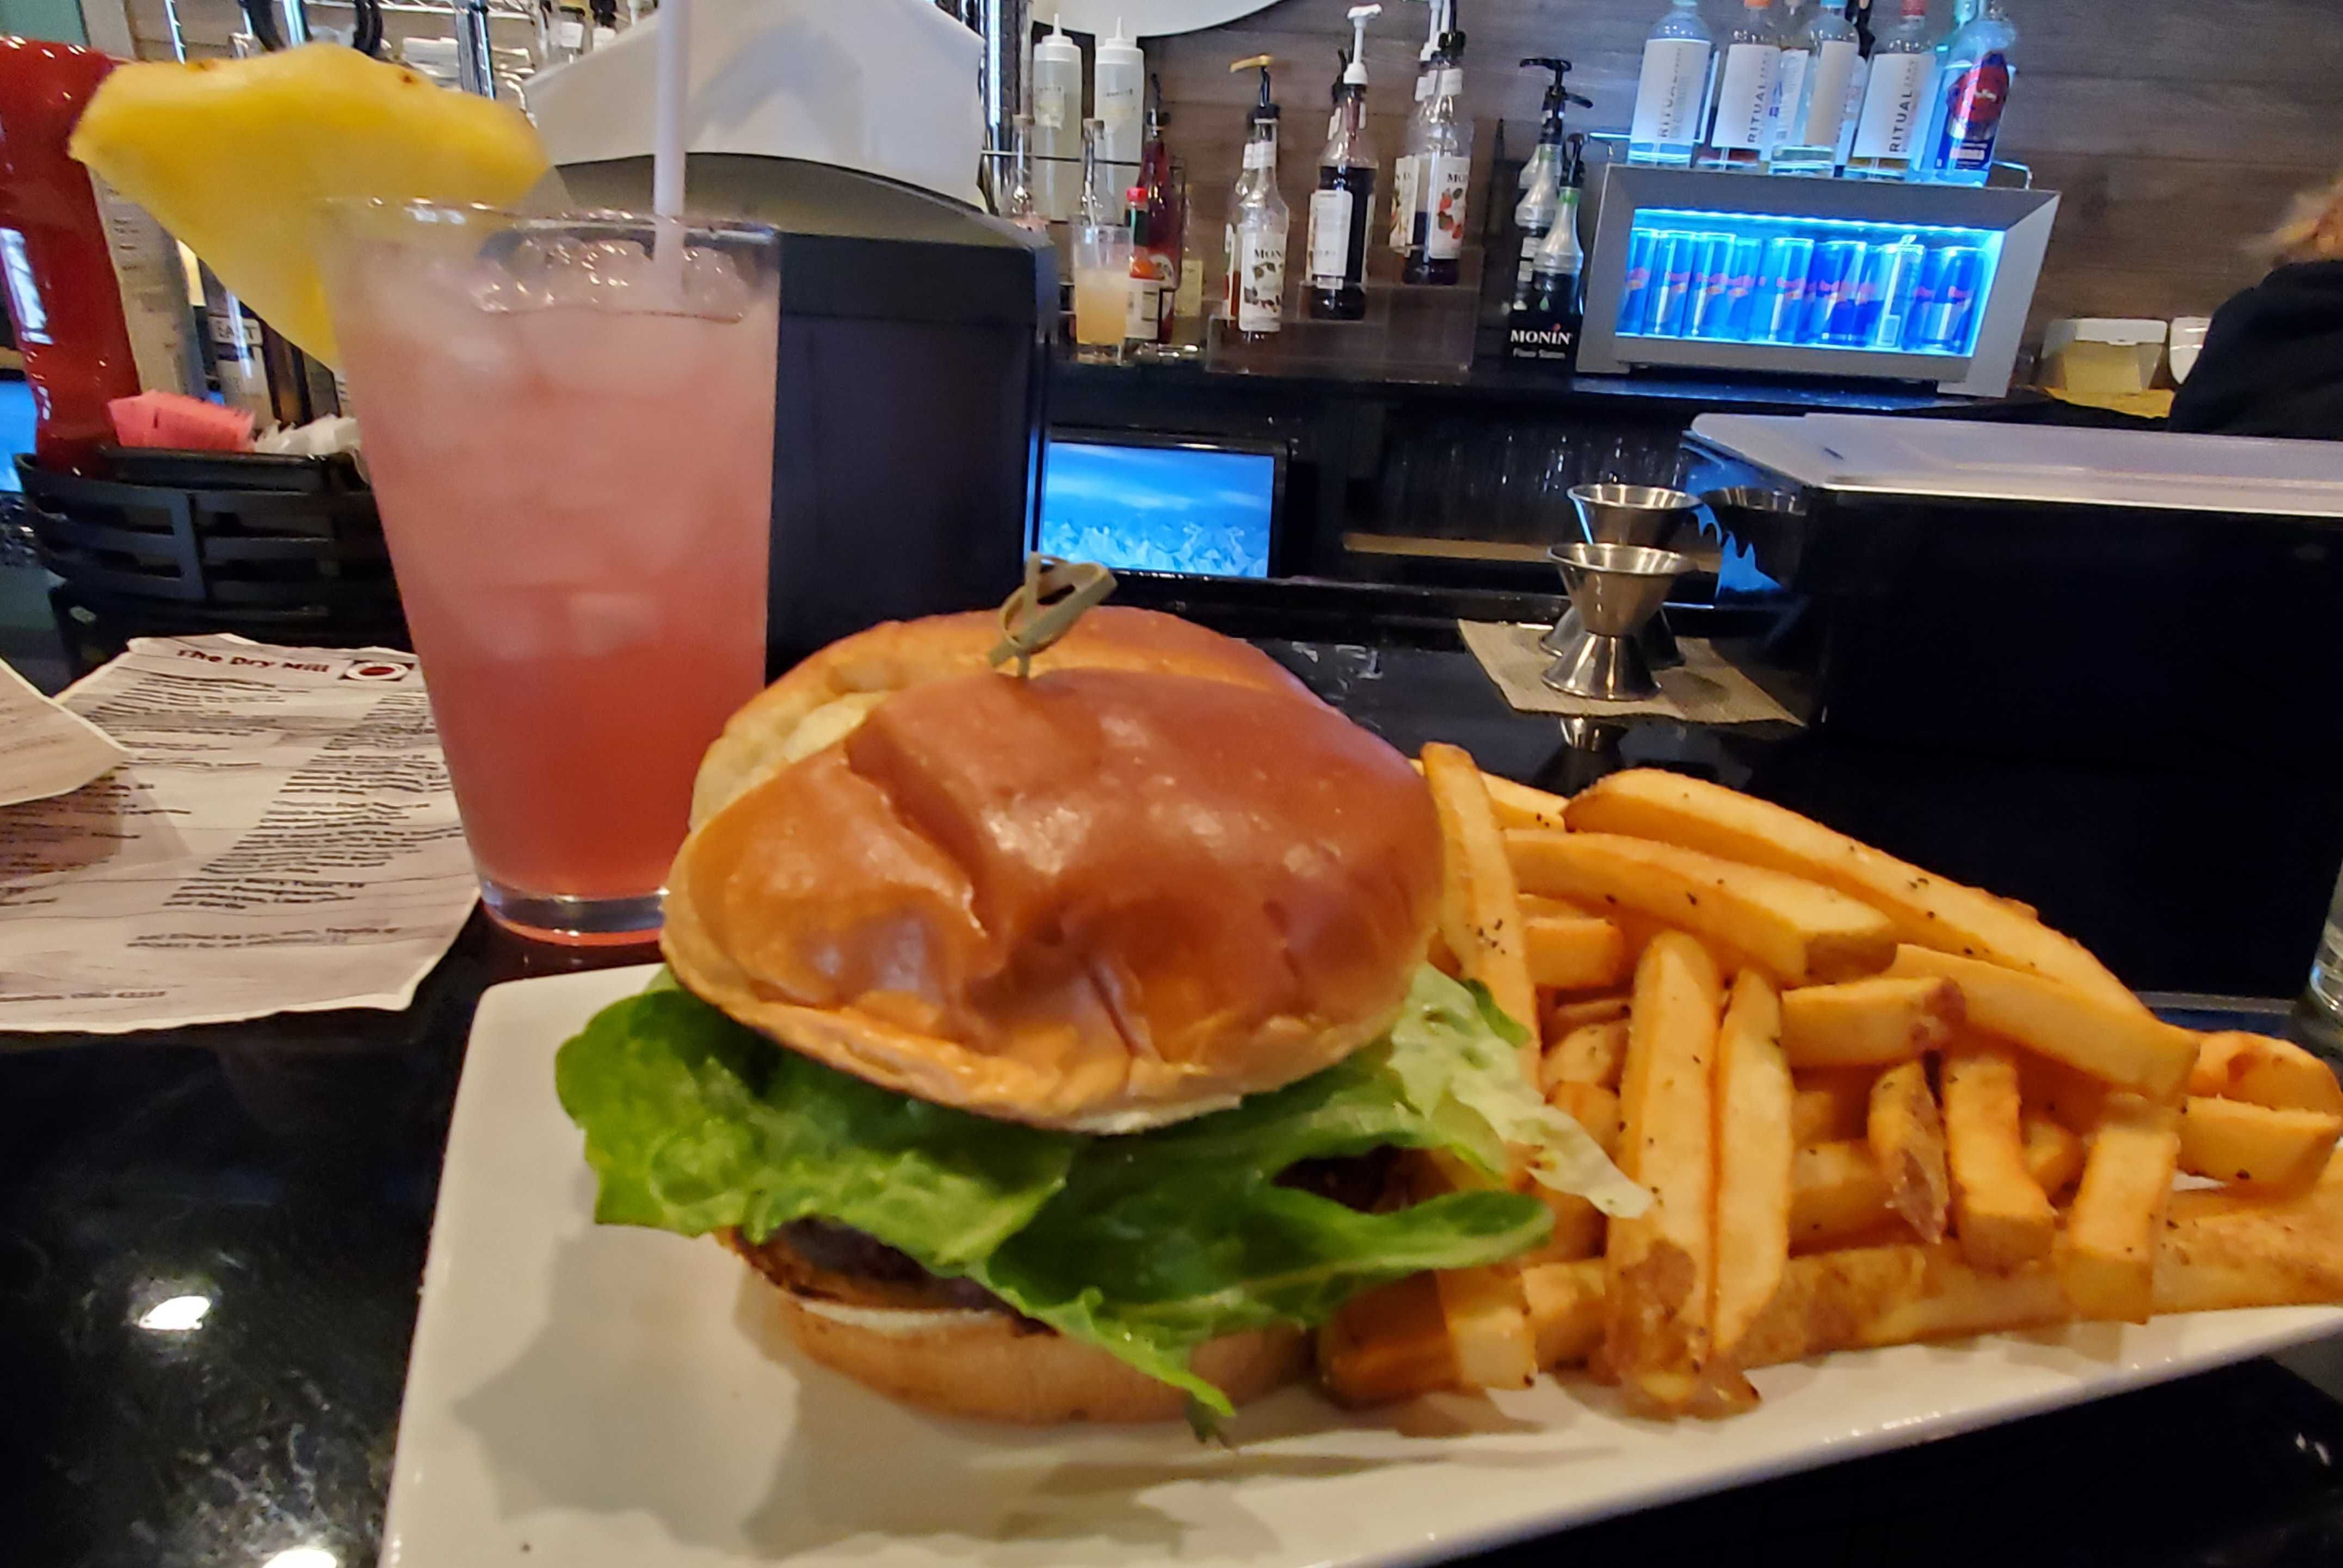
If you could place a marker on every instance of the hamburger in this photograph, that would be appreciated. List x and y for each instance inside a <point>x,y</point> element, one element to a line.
<point>1045,1042</point>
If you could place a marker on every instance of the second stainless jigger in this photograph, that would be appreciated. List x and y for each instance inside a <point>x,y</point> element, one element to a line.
<point>1634,515</point>
<point>1615,590</point>
<point>1649,515</point>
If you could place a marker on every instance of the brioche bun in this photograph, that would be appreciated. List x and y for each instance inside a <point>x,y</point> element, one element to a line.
<point>993,1365</point>
<point>820,699</point>
<point>1102,899</point>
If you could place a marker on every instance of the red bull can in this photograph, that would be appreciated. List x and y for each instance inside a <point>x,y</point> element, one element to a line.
<point>1891,281</point>
<point>1713,285</point>
<point>1778,302</point>
<point>1672,268</point>
<point>1635,293</point>
<point>1741,293</point>
<point>1834,292</point>
<point>1942,322</point>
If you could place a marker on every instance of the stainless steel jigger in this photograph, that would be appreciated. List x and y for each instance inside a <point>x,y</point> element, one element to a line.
<point>1647,515</point>
<point>1616,590</point>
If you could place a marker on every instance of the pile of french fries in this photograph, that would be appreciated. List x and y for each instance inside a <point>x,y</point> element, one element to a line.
<point>1872,1106</point>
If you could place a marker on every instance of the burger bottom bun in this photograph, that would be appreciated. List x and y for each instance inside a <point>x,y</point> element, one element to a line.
<point>992,1366</point>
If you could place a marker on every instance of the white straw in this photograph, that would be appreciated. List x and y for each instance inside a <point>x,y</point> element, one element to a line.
<point>667,110</point>
<point>674,68</point>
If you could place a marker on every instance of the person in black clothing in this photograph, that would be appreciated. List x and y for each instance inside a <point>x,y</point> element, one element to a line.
<point>2272,363</point>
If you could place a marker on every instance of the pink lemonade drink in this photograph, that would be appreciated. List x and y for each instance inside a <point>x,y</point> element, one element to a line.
<point>574,470</point>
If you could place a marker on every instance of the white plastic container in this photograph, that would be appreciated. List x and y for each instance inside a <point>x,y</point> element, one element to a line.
<point>1119,99</point>
<point>1057,125</point>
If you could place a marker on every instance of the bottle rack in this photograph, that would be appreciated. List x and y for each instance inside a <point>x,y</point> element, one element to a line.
<point>1411,331</point>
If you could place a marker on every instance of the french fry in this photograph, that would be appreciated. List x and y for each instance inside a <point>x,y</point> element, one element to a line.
<point>1660,1264</point>
<point>1573,953</point>
<point>2107,1265</point>
<point>1753,1158</point>
<point>1518,805</point>
<point>1924,909</point>
<point>1480,914</point>
<point>1488,1326</point>
<point>1874,1022</point>
<point>1592,1107</point>
<point>1893,1294</point>
<point>1830,1105</point>
<point>2226,1248</point>
<point>2001,1214</point>
<point>1562,1016</point>
<point>1390,1344</point>
<point>2232,1141</point>
<point>1537,904</point>
<point>2261,1070</point>
<point>1637,928</point>
<point>2053,1155</point>
<point>1907,1139</point>
<point>1799,932</point>
<point>2215,1252</point>
<point>1566,1307</point>
<point>2074,1100</point>
<point>1591,1053</point>
<point>1838,1193</point>
<point>1578,1232</point>
<point>2126,1046</point>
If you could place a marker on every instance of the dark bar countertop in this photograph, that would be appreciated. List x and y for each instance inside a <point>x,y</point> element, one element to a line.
<point>287,1170</point>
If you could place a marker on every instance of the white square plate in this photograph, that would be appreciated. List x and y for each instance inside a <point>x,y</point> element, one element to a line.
<point>582,1396</point>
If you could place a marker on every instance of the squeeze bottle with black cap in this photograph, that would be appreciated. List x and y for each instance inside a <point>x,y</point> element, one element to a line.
<point>1346,192</point>
<point>1542,176</point>
<point>1259,222</point>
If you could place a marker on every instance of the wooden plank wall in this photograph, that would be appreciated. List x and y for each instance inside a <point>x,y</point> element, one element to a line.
<point>2176,130</point>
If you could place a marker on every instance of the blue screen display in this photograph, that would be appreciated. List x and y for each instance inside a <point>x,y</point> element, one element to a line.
<point>1158,509</point>
<point>1816,283</point>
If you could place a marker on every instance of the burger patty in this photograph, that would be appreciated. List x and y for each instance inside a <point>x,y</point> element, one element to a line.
<point>831,1262</point>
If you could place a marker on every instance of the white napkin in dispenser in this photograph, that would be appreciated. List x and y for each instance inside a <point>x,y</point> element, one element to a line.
<point>886,86</point>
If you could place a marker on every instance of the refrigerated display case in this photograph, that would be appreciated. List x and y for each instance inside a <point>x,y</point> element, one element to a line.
<point>1698,269</point>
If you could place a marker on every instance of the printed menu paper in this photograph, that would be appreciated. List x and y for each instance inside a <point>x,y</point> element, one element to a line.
<point>45,749</point>
<point>282,838</point>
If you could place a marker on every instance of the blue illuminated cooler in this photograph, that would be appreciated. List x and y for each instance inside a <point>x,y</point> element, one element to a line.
<point>1718,271</point>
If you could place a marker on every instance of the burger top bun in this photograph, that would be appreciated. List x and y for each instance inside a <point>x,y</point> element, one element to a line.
<point>1101,900</point>
<point>821,699</point>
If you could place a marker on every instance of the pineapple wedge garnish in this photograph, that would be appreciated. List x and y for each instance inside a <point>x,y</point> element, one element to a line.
<point>233,156</point>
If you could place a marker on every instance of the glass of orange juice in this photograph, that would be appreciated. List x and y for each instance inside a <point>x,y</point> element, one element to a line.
<point>1101,289</point>
<point>569,431</point>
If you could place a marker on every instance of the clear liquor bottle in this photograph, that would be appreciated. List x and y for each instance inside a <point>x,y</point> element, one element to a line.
<point>1792,31</point>
<point>1672,89</point>
<point>1816,123</point>
<point>1747,66</point>
<point>1895,100</point>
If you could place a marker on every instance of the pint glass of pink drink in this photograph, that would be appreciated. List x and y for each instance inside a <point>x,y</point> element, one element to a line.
<point>570,439</point>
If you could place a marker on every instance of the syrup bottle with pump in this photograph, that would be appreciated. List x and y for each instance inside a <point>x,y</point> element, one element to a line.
<point>1543,175</point>
<point>1259,222</point>
<point>1407,169</point>
<point>1443,170</point>
<point>1345,196</point>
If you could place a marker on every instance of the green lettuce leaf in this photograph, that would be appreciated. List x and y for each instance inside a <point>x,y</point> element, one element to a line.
<point>694,1123</point>
<point>1457,1054</point>
<point>1145,1246</point>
